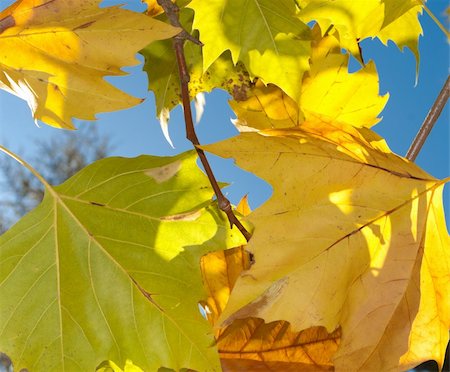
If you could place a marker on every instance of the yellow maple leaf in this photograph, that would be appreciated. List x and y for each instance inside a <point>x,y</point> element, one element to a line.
<point>247,342</point>
<point>353,237</point>
<point>357,20</point>
<point>329,93</point>
<point>220,271</point>
<point>55,55</point>
<point>251,344</point>
<point>153,8</point>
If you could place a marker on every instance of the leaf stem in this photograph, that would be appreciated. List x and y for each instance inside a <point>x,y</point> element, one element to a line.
<point>172,12</point>
<point>26,165</point>
<point>429,121</point>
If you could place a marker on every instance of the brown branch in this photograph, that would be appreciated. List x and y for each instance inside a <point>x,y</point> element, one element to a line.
<point>429,121</point>
<point>172,12</point>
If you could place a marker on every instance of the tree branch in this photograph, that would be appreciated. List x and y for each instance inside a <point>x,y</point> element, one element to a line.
<point>429,121</point>
<point>172,12</point>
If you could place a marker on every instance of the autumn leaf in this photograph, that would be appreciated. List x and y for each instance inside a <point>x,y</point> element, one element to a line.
<point>264,35</point>
<point>110,366</point>
<point>108,268</point>
<point>329,93</point>
<point>220,271</point>
<point>250,343</point>
<point>357,20</point>
<point>164,80</point>
<point>253,340</point>
<point>56,55</point>
<point>153,8</point>
<point>353,237</point>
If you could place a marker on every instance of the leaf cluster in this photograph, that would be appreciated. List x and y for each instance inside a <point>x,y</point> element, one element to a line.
<point>341,273</point>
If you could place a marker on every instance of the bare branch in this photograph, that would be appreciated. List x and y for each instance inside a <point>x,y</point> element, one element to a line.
<point>429,121</point>
<point>172,12</point>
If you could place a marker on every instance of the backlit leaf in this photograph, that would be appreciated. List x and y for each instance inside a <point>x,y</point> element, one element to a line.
<point>55,55</point>
<point>108,268</point>
<point>110,366</point>
<point>357,20</point>
<point>164,81</point>
<point>153,8</point>
<point>341,244</point>
<point>328,93</point>
<point>252,339</point>
<point>220,271</point>
<point>247,340</point>
<point>263,34</point>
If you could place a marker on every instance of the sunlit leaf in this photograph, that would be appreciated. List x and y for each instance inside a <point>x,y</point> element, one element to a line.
<point>220,271</point>
<point>328,93</point>
<point>108,268</point>
<point>357,20</point>
<point>153,8</point>
<point>340,244</point>
<point>246,342</point>
<point>55,55</point>
<point>263,34</point>
<point>164,80</point>
<point>110,366</point>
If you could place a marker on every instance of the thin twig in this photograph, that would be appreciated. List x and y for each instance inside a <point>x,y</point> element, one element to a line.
<point>172,12</point>
<point>436,20</point>
<point>429,121</point>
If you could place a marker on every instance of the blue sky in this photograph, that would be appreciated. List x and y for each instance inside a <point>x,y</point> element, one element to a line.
<point>136,131</point>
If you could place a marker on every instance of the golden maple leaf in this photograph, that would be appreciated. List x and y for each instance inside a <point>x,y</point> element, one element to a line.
<point>250,343</point>
<point>353,237</point>
<point>153,8</point>
<point>329,93</point>
<point>55,55</point>
<point>357,20</point>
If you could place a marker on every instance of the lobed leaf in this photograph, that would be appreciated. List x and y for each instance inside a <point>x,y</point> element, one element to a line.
<point>264,35</point>
<point>343,241</point>
<point>357,20</point>
<point>251,343</point>
<point>56,55</point>
<point>164,80</point>
<point>329,93</point>
<point>107,268</point>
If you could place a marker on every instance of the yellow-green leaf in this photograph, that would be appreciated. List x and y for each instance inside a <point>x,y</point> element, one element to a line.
<point>110,366</point>
<point>108,268</point>
<point>329,93</point>
<point>162,69</point>
<point>263,34</point>
<point>55,55</point>
<point>357,20</point>
<point>340,244</point>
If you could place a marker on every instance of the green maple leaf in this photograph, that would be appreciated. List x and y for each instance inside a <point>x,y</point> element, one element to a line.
<point>265,35</point>
<point>107,267</point>
<point>164,80</point>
